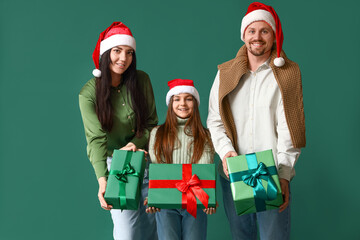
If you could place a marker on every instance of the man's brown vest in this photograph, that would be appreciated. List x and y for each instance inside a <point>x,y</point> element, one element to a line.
<point>288,78</point>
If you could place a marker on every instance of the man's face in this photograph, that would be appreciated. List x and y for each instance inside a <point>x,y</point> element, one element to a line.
<point>259,38</point>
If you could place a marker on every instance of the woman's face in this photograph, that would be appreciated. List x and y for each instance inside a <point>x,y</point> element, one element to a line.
<point>121,57</point>
<point>183,105</point>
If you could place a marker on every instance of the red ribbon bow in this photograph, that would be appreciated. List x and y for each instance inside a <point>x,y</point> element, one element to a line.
<point>191,189</point>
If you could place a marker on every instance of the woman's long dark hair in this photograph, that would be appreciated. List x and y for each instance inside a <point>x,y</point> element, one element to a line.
<point>166,135</point>
<point>104,109</point>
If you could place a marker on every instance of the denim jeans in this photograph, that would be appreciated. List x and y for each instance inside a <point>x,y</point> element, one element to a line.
<point>272,225</point>
<point>178,224</point>
<point>134,224</point>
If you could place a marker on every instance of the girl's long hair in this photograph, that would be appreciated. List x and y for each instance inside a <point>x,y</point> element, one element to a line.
<point>104,109</point>
<point>166,135</point>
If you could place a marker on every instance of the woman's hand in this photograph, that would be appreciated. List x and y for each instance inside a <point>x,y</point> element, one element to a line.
<point>211,210</point>
<point>102,187</point>
<point>132,147</point>
<point>129,147</point>
<point>150,209</point>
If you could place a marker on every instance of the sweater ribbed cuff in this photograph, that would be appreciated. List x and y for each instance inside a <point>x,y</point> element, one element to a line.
<point>284,172</point>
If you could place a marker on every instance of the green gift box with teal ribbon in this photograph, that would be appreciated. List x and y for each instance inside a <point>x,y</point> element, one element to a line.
<point>125,179</point>
<point>254,182</point>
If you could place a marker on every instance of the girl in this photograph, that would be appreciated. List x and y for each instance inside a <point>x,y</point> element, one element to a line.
<point>118,112</point>
<point>181,139</point>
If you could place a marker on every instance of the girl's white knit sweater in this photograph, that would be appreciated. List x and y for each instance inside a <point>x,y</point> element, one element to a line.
<point>182,152</point>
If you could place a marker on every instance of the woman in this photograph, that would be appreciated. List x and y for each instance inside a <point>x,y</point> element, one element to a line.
<point>182,139</point>
<point>118,112</point>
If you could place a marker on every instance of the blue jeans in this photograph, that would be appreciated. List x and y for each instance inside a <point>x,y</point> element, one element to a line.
<point>134,224</point>
<point>272,224</point>
<point>178,224</point>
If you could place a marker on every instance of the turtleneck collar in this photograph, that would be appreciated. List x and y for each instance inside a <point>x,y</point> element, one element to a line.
<point>182,121</point>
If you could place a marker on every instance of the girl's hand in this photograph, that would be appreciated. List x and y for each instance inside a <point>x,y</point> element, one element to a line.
<point>211,210</point>
<point>150,209</point>
<point>102,186</point>
<point>129,147</point>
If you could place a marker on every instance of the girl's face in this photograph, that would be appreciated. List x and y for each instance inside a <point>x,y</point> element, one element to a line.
<point>121,57</point>
<point>183,105</point>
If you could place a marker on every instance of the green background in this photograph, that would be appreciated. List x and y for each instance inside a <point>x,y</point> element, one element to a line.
<point>48,187</point>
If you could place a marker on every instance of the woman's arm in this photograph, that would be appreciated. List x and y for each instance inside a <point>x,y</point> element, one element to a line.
<point>96,139</point>
<point>102,187</point>
<point>95,136</point>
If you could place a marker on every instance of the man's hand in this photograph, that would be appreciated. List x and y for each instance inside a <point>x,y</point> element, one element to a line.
<point>284,184</point>
<point>229,154</point>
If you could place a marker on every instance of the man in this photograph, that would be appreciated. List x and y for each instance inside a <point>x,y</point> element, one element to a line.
<point>255,105</point>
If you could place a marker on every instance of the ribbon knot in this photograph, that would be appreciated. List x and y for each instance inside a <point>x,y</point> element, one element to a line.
<point>254,180</point>
<point>183,186</point>
<point>127,170</point>
<point>192,188</point>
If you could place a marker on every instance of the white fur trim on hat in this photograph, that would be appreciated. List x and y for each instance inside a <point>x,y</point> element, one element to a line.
<point>257,15</point>
<point>182,89</point>
<point>116,40</point>
<point>96,73</point>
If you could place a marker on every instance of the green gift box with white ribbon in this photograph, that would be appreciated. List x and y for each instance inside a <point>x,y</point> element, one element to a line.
<point>125,179</point>
<point>254,182</point>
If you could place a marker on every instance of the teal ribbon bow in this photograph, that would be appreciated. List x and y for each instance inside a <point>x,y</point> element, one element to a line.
<point>254,180</point>
<point>122,176</point>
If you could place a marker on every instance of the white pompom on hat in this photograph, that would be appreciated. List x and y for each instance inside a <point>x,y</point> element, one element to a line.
<point>261,12</point>
<point>115,35</point>
<point>178,86</point>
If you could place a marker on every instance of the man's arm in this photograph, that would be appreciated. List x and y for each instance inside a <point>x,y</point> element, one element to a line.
<point>287,155</point>
<point>222,144</point>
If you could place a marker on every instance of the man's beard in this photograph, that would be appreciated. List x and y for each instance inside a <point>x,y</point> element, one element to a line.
<point>256,52</point>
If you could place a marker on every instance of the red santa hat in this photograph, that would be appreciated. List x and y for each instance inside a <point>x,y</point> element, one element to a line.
<point>261,12</point>
<point>178,86</point>
<point>115,35</point>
